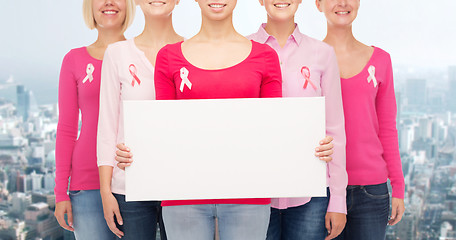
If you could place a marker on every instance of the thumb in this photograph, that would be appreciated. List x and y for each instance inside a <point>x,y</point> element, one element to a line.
<point>70,216</point>
<point>328,224</point>
<point>393,212</point>
<point>118,217</point>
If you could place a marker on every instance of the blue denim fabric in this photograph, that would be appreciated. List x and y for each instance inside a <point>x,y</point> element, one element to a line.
<point>140,219</point>
<point>88,218</point>
<point>235,221</point>
<point>305,222</point>
<point>367,212</point>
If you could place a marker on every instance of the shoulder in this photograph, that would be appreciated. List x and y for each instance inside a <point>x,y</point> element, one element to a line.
<point>76,53</point>
<point>263,49</point>
<point>381,55</point>
<point>119,47</point>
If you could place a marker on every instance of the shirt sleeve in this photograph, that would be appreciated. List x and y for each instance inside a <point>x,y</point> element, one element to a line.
<point>108,118</point>
<point>271,84</point>
<point>335,127</point>
<point>386,112</point>
<point>165,89</point>
<point>67,128</point>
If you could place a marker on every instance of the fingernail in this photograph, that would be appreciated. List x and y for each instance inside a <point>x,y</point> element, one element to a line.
<point>128,149</point>
<point>321,142</point>
<point>317,149</point>
<point>121,223</point>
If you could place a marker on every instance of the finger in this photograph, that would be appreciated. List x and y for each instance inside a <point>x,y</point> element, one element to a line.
<point>328,224</point>
<point>325,147</point>
<point>326,140</point>
<point>397,218</point>
<point>324,153</point>
<point>124,154</point>
<point>121,146</point>
<point>393,216</point>
<point>70,216</point>
<point>123,165</point>
<point>62,222</point>
<point>326,159</point>
<point>332,235</point>
<point>112,226</point>
<point>118,217</point>
<point>121,159</point>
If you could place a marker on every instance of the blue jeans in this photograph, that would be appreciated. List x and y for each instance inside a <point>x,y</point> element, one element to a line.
<point>367,212</point>
<point>140,219</point>
<point>88,217</point>
<point>305,222</point>
<point>235,221</point>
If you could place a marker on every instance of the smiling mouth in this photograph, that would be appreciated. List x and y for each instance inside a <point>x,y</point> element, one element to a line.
<point>343,13</point>
<point>281,5</point>
<point>217,5</point>
<point>157,3</point>
<point>109,12</point>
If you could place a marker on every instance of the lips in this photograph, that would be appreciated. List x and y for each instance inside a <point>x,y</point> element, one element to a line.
<point>281,5</point>
<point>109,12</point>
<point>342,12</point>
<point>217,5</point>
<point>157,3</point>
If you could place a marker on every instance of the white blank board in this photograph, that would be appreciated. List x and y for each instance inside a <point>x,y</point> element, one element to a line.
<point>226,148</point>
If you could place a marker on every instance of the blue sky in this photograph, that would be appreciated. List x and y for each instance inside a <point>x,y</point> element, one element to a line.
<point>37,34</point>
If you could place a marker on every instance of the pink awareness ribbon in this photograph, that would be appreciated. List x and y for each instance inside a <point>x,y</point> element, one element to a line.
<point>133,72</point>
<point>185,82</point>
<point>305,71</point>
<point>372,77</point>
<point>89,70</point>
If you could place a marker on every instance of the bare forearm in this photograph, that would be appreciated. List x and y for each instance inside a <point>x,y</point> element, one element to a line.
<point>105,179</point>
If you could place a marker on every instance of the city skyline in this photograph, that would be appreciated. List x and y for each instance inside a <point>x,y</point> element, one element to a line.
<point>415,33</point>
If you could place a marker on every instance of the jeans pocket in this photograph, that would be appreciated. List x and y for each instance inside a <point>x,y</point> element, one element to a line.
<point>76,193</point>
<point>376,191</point>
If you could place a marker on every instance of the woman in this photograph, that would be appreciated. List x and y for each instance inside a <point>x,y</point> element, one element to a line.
<point>128,74</point>
<point>370,125</point>
<point>309,69</point>
<point>79,88</point>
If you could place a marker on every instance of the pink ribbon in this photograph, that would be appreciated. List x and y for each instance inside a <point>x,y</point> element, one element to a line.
<point>305,71</point>
<point>133,72</point>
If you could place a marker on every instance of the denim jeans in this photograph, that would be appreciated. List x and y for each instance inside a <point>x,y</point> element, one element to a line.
<point>367,212</point>
<point>305,222</point>
<point>140,219</point>
<point>235,221</point>
<point>88,217</point>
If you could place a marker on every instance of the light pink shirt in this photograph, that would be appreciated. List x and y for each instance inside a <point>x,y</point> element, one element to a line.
<point>126,75</point>
<point>304,57</point>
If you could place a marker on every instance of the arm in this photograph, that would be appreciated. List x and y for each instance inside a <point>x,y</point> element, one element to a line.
<point>335,126</point>
<point>386,113</point>
<point>108,122</point>
<point>67,132</point>
<point>165,89</point>
<point>271,84</point>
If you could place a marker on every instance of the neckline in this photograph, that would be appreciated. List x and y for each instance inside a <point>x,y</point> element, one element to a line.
<point>365,66</point>
<point>88,54</point>
<point>220,69</point>
<point>143,57</point>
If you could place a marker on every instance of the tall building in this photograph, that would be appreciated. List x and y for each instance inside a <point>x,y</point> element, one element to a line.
<point>23,102</point>
<point>452,88</point>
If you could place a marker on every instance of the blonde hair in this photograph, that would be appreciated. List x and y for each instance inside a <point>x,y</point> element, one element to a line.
<point>87,12</point>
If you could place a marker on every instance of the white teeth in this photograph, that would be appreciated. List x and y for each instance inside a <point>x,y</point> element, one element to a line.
<point>282,5</point>
<point>109,12</point>
<point>157,3</point>
<point>342,12</point>
<point>216,5</point>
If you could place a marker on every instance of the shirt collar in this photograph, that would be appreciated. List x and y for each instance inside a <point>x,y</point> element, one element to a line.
<point>263,36</point>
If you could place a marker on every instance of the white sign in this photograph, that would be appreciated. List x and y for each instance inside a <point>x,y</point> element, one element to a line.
<point>225,148</point>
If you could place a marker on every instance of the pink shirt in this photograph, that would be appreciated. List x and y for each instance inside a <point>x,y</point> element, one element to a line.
<point>258,76</point>
<point>127,75</point>
<point>304,58</point>
<point>370,114</point>
<point>79,89</point>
